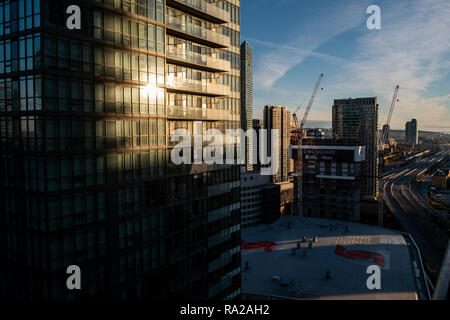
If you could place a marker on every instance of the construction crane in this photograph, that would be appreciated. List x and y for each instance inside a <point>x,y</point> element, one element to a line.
<point>298,128</point>
<point>386,127</point>
<point>308,108</point>
<point>295,119</point>
<point>296,140</point>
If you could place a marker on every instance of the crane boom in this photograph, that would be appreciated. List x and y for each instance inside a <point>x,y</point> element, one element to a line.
<point>391,111</point>
<point>308,108</point>
<point>296,140</point>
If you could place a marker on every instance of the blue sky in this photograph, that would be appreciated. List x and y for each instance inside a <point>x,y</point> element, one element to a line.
<point>295,40</point>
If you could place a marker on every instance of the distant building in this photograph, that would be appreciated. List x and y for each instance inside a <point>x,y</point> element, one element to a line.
<point>411,132</point>
<point>357,119</point>
<point>331,179</point>
<point>315,133</point>
<point>440,179</point>
<point>252,185</point>
<point>247,98</point>
<point>278,117</point>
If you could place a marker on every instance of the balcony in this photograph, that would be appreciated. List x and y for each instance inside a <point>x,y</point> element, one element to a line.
<point>179,28</point>
<point>201,9</point>
<point>196,60</point>
<point>202,87</point>
<point>176,112</point>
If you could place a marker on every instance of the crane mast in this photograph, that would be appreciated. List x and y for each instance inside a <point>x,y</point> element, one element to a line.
<point>386,128</point>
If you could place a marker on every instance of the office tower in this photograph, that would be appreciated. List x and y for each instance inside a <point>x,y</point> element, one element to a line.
<point>331,174</point>
<point>247,100</point>
<point>277,118</point>
<point>87,177</point>
<point>357,119</point>
<point>411,132</point>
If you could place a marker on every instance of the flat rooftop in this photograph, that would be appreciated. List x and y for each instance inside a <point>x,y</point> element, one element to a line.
<point>359,246</point>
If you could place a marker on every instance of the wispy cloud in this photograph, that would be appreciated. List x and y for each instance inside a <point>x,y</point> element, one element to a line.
<point>412,50</point>
<point>294,50</point>
<point>273,65</point>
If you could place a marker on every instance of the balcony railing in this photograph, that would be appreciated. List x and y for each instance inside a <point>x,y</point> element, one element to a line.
<point>198,59</point>
<point>219,15</point>
<point>193,30</point>
<point>199,113</point>
<point>209,88</point>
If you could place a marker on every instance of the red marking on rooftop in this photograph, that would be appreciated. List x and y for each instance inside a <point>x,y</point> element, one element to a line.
<point>267,245</point>
<point>360,255</point>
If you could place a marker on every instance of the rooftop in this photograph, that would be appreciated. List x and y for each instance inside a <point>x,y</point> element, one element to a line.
<point>274,265</point>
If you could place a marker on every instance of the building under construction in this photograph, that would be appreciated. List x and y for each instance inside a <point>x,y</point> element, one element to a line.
<point>331,178</point>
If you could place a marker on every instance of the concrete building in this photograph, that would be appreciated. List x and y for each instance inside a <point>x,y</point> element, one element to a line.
<point>278,118</point>
<point>88,178</point>
<point>412,132</point>
<point>300,258</point>
<point>357,119</point>
<point>331,179</point>
<point>252,185</point>
<point>247,99</point>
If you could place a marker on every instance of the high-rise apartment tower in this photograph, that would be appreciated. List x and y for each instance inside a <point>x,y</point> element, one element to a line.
<point>247,100</point>
<point>87,178</point>
<point>278,117</point>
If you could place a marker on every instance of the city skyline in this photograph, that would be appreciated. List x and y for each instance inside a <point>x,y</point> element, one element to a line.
<point>315,37</point>
<point>132,167</point>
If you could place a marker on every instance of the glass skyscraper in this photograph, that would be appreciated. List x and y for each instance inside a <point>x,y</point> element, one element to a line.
<point>357,120</point>
<point>86,176</point>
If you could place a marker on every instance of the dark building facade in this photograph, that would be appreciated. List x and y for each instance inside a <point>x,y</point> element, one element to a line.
<point>278,118</point>
<point>411,132</point>
<point>86,173</point>
<point>271,196</point>
<point>357,119</point>
<point>331,178</point>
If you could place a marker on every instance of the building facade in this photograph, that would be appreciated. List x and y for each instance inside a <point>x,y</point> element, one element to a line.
<point>357,119</point>
<point>247,100</point>
<point>331,174</point>
<point>86,117</point>
<point>252,186</point>
<point>278,118</point>
<point>411,132</point>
